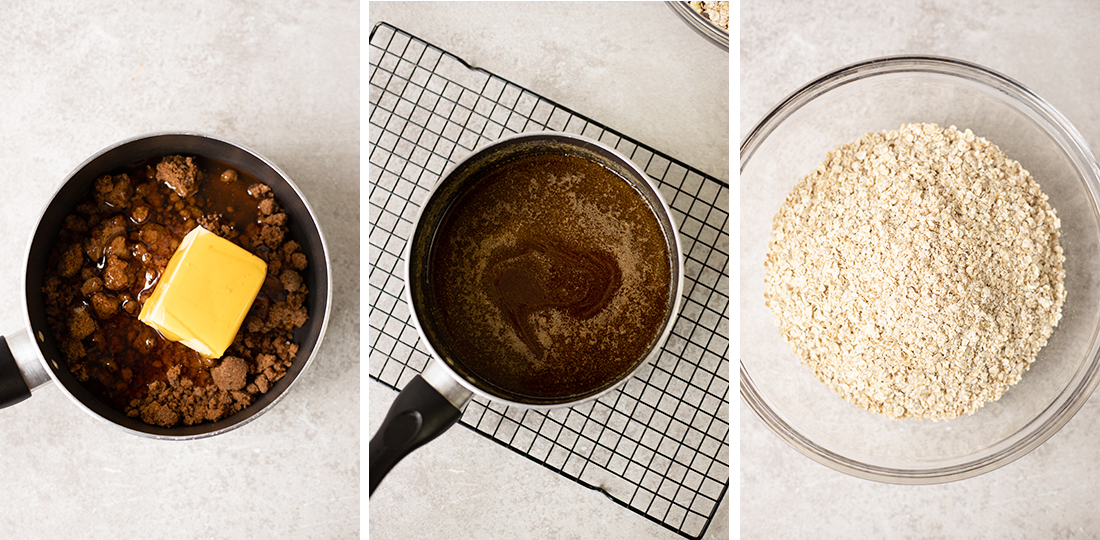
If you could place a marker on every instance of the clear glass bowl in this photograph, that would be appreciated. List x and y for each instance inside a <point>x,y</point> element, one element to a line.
<point>701,25</point>
<point>884,94</point>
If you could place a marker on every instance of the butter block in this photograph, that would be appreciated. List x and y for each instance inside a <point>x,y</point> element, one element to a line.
<point>204,293</point>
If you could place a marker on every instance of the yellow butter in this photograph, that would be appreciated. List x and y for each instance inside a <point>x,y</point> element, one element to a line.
<point>204,293</point>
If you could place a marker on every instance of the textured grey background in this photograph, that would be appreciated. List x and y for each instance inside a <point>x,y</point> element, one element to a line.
<point>281,78</point>
<point>638,69</point>
<point>1052,48</point>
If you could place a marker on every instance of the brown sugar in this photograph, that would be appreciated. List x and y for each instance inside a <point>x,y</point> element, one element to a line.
<point>81,324</point>
<point>114,191</point>
<point>157,413</point>
<point>231,374</point>
<point>104,304</point>
<point>92,285</point>
<point>291,280</point>
<point>180,173</point>
<point>110,254</point>
<point>271,236</point>
<point>71,261</point>
<point>117,275</point>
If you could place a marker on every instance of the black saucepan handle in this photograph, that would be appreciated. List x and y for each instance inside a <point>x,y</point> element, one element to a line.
<point>13,388</point>
<point>418,415</point>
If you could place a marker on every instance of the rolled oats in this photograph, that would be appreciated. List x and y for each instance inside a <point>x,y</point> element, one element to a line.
<point>917,272</point>
<point>715,12</point>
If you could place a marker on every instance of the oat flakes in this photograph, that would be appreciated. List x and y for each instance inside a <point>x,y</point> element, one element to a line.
<point>917,272</point>
<point>715,12</point>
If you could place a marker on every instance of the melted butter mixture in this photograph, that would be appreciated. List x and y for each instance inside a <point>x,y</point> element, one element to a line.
<point>551,277</point>
<point>536,277</point>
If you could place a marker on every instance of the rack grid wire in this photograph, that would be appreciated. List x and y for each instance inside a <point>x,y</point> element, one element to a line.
<point>659,444</point>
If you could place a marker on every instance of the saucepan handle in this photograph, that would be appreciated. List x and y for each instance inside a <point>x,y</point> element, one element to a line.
<point>13,388</point>
<point>421,412</point>
<point>20,369</point>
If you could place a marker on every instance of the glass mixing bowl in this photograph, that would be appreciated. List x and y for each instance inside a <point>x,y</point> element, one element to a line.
<point>701,25</point>
<point>884,94</point>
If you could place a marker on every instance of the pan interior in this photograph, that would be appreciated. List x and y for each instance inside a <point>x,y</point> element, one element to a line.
<point>525,378</point>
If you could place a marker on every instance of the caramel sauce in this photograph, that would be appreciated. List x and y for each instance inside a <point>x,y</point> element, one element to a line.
<point>550,277</point>
<point>537,276</point>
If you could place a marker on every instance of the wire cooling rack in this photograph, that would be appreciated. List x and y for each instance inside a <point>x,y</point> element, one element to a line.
<point>659,445</point>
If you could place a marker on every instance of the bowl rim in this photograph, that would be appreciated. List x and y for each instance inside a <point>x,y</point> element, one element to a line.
<point>701,25</point>
<point>1085,378</point>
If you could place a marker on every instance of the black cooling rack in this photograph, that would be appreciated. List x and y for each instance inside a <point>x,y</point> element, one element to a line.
<point>659,445</point>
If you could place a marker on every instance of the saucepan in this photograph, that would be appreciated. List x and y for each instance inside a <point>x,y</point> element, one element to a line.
<point>433,401</point>
<point>31,357</point>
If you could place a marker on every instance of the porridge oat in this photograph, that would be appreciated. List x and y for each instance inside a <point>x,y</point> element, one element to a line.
<point>917,272</point>
<point>716,12</point>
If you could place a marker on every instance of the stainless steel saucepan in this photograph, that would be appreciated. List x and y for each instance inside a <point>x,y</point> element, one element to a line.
<point>433,401</point>
<point>30,358</point>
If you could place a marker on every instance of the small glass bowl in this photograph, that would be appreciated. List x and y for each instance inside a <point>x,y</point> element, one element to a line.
<point>883,94</point>
<point>702,26</point>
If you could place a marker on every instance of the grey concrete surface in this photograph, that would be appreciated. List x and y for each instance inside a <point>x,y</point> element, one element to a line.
<point>1050,47</point>
<point>281,78</point>
<point>638,69</point>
